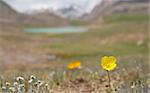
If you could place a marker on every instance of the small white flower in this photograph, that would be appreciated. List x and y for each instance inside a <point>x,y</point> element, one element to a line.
<point>20,78</point>
<point>46,86</point>
<point>7,84</point>
<point>30,81</point>
<point>15,84</point>
<point>32,77</point>
<point>21,85</point>
<point>40,83</point>
<point>12,89</point>
<point>132,86</point>
<point>4,88</point>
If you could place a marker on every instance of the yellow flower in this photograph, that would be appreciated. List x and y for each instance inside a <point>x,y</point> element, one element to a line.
<point>108,63</point>
<point>74,65</point>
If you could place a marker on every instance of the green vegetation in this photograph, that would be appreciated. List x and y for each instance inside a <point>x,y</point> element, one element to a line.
<point>127,17</point>
<point>123,36</point>
<point>77,23</point>
<point>119,38</point>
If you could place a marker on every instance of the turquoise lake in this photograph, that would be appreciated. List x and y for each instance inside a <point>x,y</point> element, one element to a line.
<point>58,30</point>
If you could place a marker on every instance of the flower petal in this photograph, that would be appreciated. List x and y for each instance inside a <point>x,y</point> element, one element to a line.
<point>108,62</point>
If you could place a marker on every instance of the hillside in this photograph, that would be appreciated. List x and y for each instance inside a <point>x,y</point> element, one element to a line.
<point>43,19</point>
<point>9,16</point>
<point>106,8</point>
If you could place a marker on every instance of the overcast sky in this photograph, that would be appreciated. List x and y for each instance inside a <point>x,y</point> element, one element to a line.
<point>24,5</point>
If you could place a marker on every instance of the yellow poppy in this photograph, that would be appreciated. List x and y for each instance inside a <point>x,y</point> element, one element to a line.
<point>74,65</point>
<point>108,63</point>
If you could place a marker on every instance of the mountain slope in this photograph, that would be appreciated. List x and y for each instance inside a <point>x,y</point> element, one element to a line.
<point>117,6</point>
<point>71,12</point>
<point>43,19</point>
<point>7,14</point>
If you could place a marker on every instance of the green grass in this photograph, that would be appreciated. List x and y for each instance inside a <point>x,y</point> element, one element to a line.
<point>127,17</point>
<point>105,40</point>
<point>118,36</point>
<point>89,47</point>
<point>77,22</point>
<point>89,43</point>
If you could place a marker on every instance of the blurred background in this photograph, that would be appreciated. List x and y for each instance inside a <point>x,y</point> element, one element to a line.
<point>47,34</point>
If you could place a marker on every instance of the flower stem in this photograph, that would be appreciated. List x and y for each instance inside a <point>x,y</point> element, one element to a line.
<point>109,84</point>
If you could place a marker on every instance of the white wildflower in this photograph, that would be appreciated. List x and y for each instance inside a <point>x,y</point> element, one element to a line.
<point>32,77</point>
<point>15,84</point>
<point>20,78</point>
<point>12,89</point>
<point>4,88</point>
<point>7,84</point>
